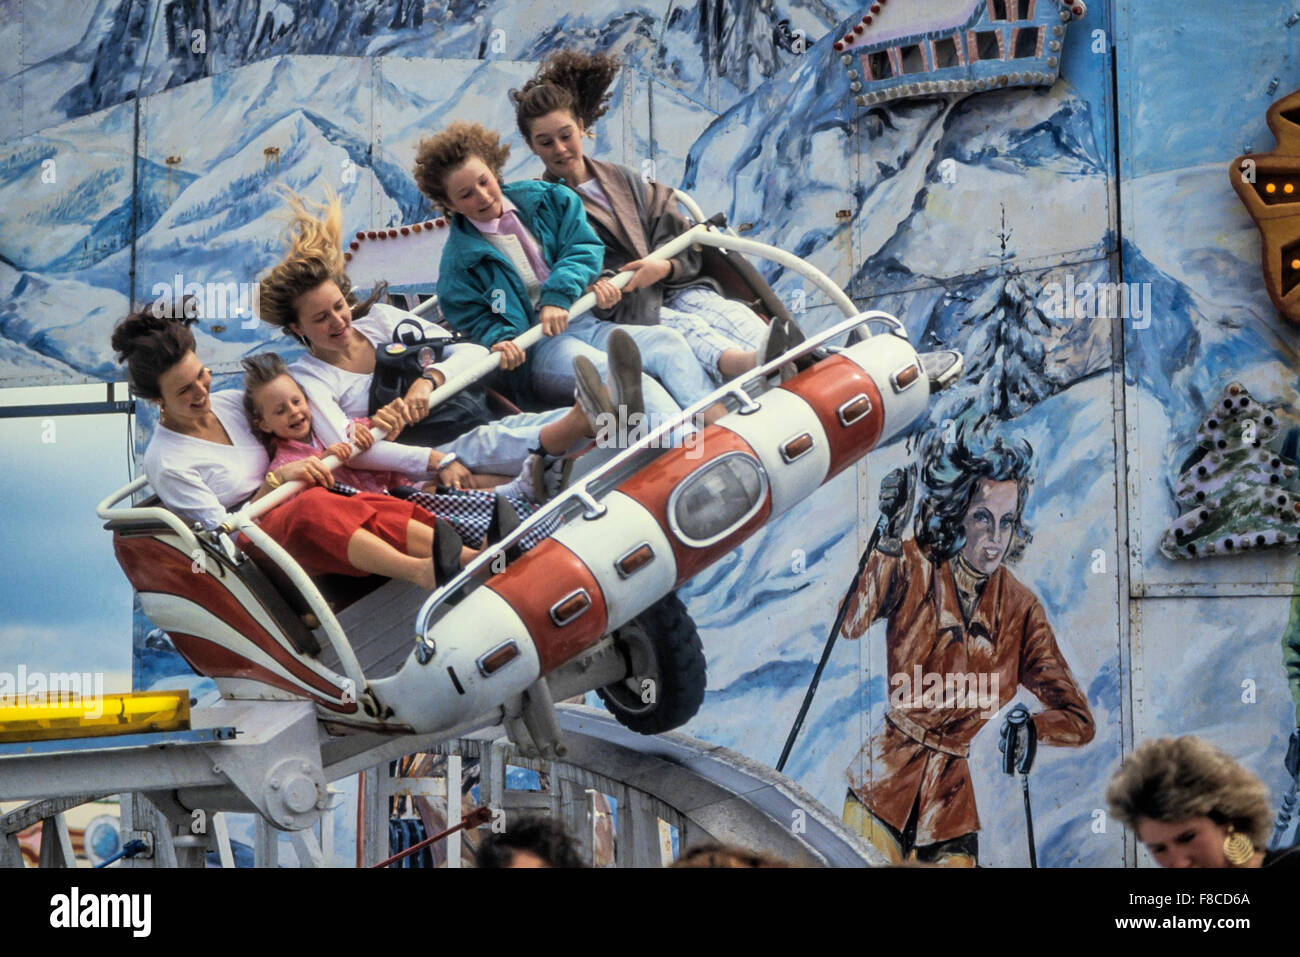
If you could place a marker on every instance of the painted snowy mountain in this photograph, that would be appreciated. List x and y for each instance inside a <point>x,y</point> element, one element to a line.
<point>214,216</point>
<point>934,174</point>
<point>709,49</point>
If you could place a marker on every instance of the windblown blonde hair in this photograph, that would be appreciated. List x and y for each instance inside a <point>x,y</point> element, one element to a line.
<point>1170,779</point>
<point>313,243</point>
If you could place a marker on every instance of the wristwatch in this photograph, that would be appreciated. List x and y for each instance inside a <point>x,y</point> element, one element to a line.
<point>448,459</point>
<point>428,374</point>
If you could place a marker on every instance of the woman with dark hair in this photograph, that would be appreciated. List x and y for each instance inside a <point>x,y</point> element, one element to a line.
<point>530,842</point>
<point>1194,806</point>
<point>963,634</point>
<point>632,216</point>
<point>204,461</point>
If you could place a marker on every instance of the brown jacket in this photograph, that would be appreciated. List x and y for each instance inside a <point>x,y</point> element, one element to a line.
<point>643,218</point>
<point>1008,640</point>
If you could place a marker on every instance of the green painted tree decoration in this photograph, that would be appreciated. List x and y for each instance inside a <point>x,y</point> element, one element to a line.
<point>1236,491</point>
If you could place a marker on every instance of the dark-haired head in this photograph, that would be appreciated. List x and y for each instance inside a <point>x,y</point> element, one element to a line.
<point>727,856</point>
<point>958,472</point>
<point>530,842</point>
<point>576,83</point>
<point>150,343</point>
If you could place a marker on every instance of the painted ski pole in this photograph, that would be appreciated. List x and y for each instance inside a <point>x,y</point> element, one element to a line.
<point>1018,742</point>
<point>1029,821</point>
<point>830,641</point>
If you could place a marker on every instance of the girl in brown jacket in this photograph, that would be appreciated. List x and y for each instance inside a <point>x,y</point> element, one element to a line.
<point>632,216</point>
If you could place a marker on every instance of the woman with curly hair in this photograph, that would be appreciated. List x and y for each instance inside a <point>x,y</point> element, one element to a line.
<point>1194,806</point>
<point>633,216</point>
<point>519,255</point>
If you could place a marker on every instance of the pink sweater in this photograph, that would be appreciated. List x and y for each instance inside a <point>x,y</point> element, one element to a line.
<point>291,450</point>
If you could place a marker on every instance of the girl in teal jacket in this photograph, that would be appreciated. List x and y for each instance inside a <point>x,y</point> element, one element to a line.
<point>521,254</point>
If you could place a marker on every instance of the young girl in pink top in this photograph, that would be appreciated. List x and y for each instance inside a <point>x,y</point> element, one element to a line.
<point>279,408</point>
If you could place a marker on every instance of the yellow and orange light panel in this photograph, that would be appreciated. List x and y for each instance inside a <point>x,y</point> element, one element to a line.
<point>1269,185</point>
<point>44,718</point>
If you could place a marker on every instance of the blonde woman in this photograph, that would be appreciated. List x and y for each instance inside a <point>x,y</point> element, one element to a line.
<point>1194,806</point>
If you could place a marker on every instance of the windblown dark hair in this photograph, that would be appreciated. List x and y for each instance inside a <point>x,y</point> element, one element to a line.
<point>568,80</point>
<point>727,855</point>
<point>951,474</point>
<point>150,342</point>
<point>259,372</point>
<point>542,836</point>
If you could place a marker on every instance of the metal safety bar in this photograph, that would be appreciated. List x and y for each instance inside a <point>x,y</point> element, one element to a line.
<point>692,207</point>
<point>429,305</point>
<point>488,364</point>
<point>334,632</point>
<point>106,511</point>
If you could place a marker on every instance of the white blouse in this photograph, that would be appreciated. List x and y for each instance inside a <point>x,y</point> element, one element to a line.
<point>343,395</point>
<point>200,480</point>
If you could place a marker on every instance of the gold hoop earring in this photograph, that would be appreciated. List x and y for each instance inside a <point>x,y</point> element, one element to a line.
<point>1238,848</point>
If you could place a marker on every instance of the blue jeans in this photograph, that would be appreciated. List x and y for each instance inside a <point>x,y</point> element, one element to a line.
<point>665,355</point>
<point>500,447</point>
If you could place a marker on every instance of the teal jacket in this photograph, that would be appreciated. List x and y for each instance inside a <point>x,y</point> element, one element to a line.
<point>481,294</point>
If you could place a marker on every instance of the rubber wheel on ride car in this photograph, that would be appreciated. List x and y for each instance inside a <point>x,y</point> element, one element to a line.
<point>665,687</point>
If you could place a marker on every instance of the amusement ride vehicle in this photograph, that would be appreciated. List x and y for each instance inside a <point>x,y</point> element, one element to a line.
<point>591,607</point>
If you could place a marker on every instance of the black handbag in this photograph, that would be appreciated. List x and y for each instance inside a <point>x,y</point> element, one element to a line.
<point>398,364</point>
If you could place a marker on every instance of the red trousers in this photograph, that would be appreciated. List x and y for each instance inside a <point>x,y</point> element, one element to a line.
<point>315,526</point>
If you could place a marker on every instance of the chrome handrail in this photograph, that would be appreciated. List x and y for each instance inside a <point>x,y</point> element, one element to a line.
<point>153,513</point>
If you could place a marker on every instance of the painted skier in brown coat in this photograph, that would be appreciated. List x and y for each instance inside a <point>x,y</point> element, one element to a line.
<point>966,630</point>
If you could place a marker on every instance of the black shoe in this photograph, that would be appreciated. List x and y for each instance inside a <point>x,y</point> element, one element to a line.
<point>447,545</point>
<point>403,491</point>
<point>504,521</point>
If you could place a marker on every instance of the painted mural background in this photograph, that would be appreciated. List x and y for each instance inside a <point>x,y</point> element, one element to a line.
<point>956,213</point>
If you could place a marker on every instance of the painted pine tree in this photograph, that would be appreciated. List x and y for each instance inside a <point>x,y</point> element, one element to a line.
<point>1006,330</point>
<point>1236,492</point>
